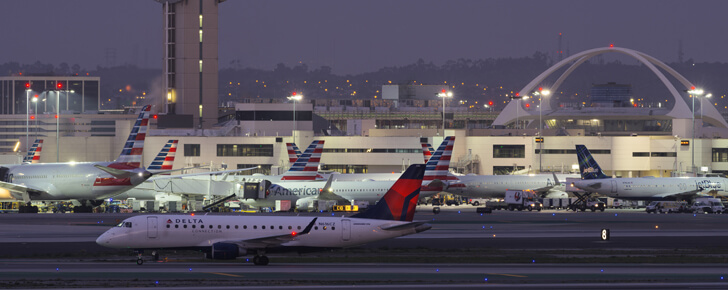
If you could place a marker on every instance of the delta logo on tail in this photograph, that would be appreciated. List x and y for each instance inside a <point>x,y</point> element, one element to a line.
<point>306,166</point>
<point>131,155</point>
<point>588,167</point>
<point>400,201</point>
<point>33,155</point>
<point>165,158</point>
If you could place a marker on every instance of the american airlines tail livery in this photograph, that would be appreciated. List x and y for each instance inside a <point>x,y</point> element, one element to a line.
<point>229,237</point>
<point>593,179</point>
<point>83,181</point>
<point>33,155</point>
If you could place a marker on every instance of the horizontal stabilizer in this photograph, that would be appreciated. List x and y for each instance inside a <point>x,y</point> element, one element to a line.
<point>118,173</point>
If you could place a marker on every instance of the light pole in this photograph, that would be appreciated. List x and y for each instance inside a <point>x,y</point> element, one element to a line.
<point>542,94</point>
<point>27,116</point>
<point>444,94</point>
<point>295,97</point>
<point>35,113</point>
<point>517,97</point>
<point>694,94</point>
<point>701,104</point>
<point>59,86</point>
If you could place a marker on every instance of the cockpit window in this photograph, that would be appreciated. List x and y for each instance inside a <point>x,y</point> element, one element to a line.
<point>124,225</point>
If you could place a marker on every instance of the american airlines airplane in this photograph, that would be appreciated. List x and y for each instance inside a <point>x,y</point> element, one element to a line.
<point>87,181</point>
<point>33,155</point>
<point>593,179</point>
<point>229,237</point>
<point>305,194</point>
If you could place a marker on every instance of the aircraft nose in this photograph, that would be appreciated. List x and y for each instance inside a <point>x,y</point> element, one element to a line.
<point>105,239</point>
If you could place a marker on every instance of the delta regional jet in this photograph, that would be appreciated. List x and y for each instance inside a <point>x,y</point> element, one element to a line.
<point>593,179</point>
<point>83,181</point>
<point>229,237</point>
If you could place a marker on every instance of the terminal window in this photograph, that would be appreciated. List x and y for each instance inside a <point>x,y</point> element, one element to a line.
<point>720,154</point>
<point>245,150</point>
<point>192,149</point>
<point>509,151</point>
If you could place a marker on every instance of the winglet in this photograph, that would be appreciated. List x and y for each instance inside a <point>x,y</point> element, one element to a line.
<point>308,227</point>
<point>556,179</point>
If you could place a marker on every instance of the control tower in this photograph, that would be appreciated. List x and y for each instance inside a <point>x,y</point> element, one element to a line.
<point>190,68</point>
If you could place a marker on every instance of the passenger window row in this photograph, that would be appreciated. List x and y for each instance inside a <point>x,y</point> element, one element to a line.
<point>245,227</point>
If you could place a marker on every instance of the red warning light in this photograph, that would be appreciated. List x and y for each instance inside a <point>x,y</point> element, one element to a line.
<point>155,116</point>
<point>59,85</point>
<point>692,88</point>
<point>443,91</point>
<point>528,105</point>
<point>27,85</point>
<point>193,214</point>
<point>540,89</point>
<point>611,45</point>
<point>635,105</point>
<point>32,117</point>
<point>490,103</point>
<point>293,234</point>
<point>56,116</point>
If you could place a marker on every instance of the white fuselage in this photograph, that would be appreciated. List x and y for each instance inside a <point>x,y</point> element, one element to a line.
<point>370,191</point>
<point>495,186</point>
<point>645,188</point>
<point>187,231</point>
<point>63,181</point>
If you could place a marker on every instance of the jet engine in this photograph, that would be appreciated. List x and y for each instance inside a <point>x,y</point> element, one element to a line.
<point>225,251</point>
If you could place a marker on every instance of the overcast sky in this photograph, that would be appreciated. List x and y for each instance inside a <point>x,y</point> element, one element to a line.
<point>360,36</point>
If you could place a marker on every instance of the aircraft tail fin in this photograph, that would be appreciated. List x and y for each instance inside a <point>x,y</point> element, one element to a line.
<point>306,166</point>
<point>293,152</point>
<point>131,155</point>
<point>33,155</point>
<point>400,201</point>
<point>588,167</point>
<point>427,151</point>
<point>165,159</point>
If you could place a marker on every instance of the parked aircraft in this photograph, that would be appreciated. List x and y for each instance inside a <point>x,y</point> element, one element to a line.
<point>305,194</point>
<point>33,155</point>
<point>228,237</point>
<point>87,181</point>
<point>642,188</point>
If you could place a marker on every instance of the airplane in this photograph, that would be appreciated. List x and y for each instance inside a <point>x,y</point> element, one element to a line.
<point>90,182</point>
<point>594,180</point>
<point>229,237</point>
<point>305,194</point>
<point>33,155</point>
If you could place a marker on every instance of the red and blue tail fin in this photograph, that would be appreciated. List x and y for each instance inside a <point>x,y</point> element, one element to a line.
<point>400,201</point>
<point>427,151</point>
<point>165,159</point>
<point>293,152</point>
<point>131,155</point>
<point>306,166</point>
<point>33,155</point>
<point>588,167</point>
<point>439,164</point>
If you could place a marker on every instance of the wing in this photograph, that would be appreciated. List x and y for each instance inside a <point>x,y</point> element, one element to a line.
<point>271,241</point>
<point>328,194</point>
<point>684,193</point>
<point>199,173</point>
<point>20,191</point>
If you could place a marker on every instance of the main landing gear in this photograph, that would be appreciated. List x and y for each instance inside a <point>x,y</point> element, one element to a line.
<point>260,260</point>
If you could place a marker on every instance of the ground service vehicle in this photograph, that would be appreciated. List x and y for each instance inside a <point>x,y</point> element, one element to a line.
<point>707,205</point>
<point>523,199</point>
<point>666,207</point>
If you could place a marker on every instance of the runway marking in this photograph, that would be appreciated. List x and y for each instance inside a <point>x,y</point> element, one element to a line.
<point>224,274</point>
<point>509,275</point>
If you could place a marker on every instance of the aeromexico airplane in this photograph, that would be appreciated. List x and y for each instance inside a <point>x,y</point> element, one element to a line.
<point>642,188</point>
<point>305,194</point>
<point>87,181</point>
<point>229,237</point>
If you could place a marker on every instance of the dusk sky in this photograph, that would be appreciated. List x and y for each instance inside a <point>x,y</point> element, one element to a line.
<point>363,36</point>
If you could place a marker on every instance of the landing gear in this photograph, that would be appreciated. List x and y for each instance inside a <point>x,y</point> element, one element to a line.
<point>155,255</point>
<point>140,260</point>
<point>260,260</point>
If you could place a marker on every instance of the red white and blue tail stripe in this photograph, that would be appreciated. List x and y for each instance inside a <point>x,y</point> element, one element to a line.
<point>400,201</point>
<point>33,155</point>
<point>131,155</point>
<point>427,151</point>
<point>306,166</point>
<point>439,164</point>
<point>165,158</point>
<point>293,152</point>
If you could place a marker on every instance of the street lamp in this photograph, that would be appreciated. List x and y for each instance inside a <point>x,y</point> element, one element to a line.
<point>542,94</point>
<point>295,97</point>
<point>59,86</point>
<point>27,116</point>
<point>694,94</point>
<point>35,113</point>
<point>444,94</point>
<point>518,98</point>
<point>701,104</point>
